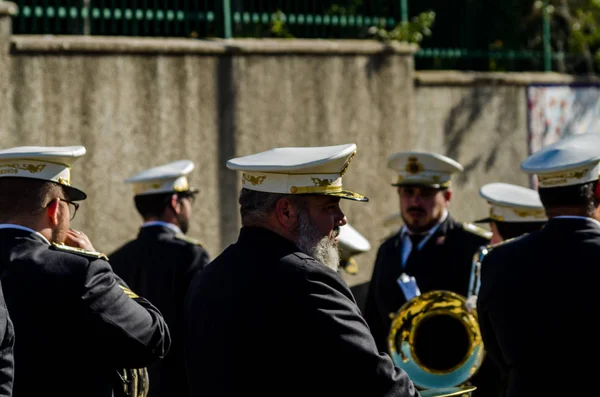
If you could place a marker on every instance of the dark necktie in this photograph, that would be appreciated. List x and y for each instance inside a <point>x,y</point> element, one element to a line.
<point>414,252</point>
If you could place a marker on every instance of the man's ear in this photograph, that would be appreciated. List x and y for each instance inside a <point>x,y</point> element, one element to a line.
<point>448,195</point>
<point>286,212</point>
<point>52,210</point>
<point>175,204</point>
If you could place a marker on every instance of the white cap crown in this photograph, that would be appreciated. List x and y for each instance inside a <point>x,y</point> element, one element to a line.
<point>570,161</point>
<point>166,178</point>
<point>49,163</point>
<point>423,169</point>
<point>351,242</point>
<point>512,203</point>
<point>298,170</point>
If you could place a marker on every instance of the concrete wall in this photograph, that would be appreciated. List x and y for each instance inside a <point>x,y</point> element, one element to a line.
<point>136,103</point>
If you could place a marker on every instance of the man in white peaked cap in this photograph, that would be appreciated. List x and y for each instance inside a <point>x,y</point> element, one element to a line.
<point>538,293</point>
<point>513,210</point>
<point>271,316</point>
<point>77,324</point>
<point>161,261</point>
<point>431,246</point>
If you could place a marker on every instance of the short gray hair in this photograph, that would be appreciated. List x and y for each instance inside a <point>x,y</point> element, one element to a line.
<point>256,206</point>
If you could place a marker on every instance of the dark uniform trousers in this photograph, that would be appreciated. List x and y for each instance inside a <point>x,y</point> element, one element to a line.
<point>265,319</point>
<point>159,265</point>
<point>537,305</point>
<point>443,263</point>
<point>75,321</point>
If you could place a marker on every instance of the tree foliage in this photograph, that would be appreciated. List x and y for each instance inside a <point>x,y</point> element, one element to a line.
<point>413,31</point>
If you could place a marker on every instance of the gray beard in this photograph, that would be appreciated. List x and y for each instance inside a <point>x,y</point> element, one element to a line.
<point>321,248</point>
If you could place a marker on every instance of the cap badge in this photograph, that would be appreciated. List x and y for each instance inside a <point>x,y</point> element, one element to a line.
<point>413,166</point>
<point>32,168</point>
<point>254,180</point>
<point>561,177</point>
<point>64,181</point>
<point>321,182</point>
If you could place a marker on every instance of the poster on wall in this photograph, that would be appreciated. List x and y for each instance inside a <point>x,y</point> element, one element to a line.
<point>556,111</point>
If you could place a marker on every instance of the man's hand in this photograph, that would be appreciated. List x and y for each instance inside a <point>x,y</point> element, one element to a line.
<point>78,239</point>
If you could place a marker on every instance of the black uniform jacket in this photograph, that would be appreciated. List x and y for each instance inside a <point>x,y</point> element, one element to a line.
<point>75,321</point>
<point>159,265</point>
<point>537,308</point>
<point>265,319</point>
<point>7,342</point>
<point>443,263</point>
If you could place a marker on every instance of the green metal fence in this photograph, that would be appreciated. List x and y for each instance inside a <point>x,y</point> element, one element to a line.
<point>273,18</point>
<point>217,18</point>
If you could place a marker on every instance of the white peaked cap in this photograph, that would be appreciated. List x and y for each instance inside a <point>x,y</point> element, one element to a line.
<point>167,178</point>
<point>298,170</point>
<point>512,203</point>
<point>351,242</point>
<point>423,169</point>
<point>49,163</point>
<point>572,160</point>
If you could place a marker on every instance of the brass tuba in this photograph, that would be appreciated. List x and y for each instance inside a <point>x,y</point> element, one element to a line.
<point>437,319</point>
<point>134,382</point>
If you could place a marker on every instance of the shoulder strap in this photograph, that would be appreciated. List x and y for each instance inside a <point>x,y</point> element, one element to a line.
<point>501,243</point>
<point>190,240</point>
<point>78,251</point>
<point>479,231</point>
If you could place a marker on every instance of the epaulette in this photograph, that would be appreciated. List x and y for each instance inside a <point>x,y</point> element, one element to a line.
<point>79,251</point>
<point>188,239</point>
<point>504,242</point>
<point>481,232</point>
<point>129,292</point>
<point>350,266</point>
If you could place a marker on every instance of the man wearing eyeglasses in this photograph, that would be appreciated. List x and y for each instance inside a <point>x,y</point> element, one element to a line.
<point>162,260</point>
<point>76,322</point>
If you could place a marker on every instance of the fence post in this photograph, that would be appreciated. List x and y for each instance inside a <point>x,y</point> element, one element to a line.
<point>227,19</point>
<point>546,37</point>
<point>404,10</point>
<point>7,11</point>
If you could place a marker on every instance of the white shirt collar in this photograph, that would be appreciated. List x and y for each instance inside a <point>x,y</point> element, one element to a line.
<point>168,225</point>
<point>577,217</point>
<point>13,226</point>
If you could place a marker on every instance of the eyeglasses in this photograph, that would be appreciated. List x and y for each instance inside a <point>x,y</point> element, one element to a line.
<point>73,207</point>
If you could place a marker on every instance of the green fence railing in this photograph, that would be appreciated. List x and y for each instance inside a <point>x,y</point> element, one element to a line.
<point>259,18</point>
<point>198,18</point>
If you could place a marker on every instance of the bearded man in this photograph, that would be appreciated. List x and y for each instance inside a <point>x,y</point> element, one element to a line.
<point>271,316</point>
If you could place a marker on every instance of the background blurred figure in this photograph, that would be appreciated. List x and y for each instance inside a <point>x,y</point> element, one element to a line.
<point>76,322</point>
<point>350,244</point>
<point>161,261</point>
<point>275,297</point>
<point>431,246</point>
<point>532,283</point>
<point>514,210</point>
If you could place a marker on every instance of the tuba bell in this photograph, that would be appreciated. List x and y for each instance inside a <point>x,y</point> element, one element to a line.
<point>132,382</point>
<point>434,321</point>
